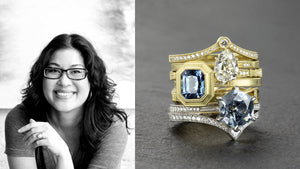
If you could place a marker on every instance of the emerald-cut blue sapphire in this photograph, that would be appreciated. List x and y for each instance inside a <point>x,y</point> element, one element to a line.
<point>236,108</point>
<point>192,84</point>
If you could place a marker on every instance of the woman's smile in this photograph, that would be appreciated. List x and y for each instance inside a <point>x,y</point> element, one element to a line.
<point>64,94</point>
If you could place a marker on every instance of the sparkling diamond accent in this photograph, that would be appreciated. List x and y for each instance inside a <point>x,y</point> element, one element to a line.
<point>247,65</point>
<point>224,43</point>
<point>226,67</point>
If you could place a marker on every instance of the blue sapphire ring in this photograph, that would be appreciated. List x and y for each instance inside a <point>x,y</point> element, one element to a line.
<point>216,86</point>
<point>236,110</point>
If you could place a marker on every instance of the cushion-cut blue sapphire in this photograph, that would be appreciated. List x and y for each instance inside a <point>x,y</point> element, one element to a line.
<point>192,84</point>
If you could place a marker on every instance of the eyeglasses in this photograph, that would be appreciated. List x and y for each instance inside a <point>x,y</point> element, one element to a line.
<point>72,73</point>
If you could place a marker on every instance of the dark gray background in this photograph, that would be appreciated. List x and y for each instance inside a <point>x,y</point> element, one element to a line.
<point>169,27</point>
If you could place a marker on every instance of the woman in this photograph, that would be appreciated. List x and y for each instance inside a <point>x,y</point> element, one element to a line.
<point>67,118</point>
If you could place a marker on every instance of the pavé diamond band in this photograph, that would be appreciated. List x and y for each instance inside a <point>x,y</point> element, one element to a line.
<point>206,110</point>
<point>216,86</point>
<point>211,120</point>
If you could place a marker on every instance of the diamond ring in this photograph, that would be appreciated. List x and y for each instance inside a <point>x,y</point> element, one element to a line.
<point>216,86</point>
<point>40,136</point>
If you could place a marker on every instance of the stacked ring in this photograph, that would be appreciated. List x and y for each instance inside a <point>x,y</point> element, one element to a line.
<point>216,86</point>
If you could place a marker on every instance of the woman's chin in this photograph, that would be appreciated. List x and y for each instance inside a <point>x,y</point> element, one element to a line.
<point>65,108</point>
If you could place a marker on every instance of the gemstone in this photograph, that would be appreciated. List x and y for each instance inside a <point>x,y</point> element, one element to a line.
<point>226,67</point>
<point>236,108</point>
<point>224,43</point>
<point>192,84</point>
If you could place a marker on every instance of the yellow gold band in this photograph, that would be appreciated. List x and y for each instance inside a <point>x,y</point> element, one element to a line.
<point>243,73</point>
<point>219,92</point>
<point>211,64</point>
<point>202,54</point>
<point>244,82</point>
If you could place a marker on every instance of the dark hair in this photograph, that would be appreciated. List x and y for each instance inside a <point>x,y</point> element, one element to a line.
<point>99,109</point>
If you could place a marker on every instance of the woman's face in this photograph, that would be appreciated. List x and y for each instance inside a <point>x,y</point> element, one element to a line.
<point>64,94</point>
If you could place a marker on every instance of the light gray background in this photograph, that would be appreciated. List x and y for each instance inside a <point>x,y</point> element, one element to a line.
<point>269,27</point>
<point>27,26</point>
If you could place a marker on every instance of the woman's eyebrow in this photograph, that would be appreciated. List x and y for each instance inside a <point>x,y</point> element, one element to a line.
<point>74,65</point>
<point>53,64</point>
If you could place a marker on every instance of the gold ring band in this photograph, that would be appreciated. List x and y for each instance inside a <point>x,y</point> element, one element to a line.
<point>218,46</point>
<point>218,92</point>
<point>211,63</point>
<point>242,73</point>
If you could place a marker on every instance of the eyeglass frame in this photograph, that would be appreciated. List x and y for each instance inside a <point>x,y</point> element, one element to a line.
<point>65,70</point>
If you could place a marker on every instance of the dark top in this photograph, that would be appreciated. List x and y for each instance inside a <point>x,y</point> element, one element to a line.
<point>108,155</point>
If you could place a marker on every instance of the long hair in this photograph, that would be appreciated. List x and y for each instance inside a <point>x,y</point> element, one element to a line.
<point>99,109</point>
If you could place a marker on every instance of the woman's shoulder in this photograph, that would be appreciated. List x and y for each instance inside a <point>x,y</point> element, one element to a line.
<point>112,145</point>
<point>17,115</point>
<point>118,122</point>
<point>117,127</point>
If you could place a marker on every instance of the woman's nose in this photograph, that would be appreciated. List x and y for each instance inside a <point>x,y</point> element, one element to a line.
<point>64,80</point>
